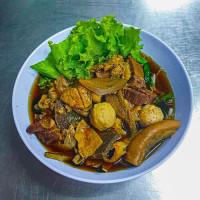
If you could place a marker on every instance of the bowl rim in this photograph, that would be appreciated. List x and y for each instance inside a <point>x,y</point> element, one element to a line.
<point>96,180</point>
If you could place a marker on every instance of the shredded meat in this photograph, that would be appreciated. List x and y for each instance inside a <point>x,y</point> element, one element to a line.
<point>115,67</point>
<point>100,73</point>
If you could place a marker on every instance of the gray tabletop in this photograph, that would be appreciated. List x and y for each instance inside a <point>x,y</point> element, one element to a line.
<point>24,24</point>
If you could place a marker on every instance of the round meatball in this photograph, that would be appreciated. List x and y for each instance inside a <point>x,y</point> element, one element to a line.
<point>150,114</point>
<point>102,116</point>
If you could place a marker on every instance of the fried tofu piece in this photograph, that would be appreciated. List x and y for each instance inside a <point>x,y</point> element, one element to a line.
<point>88,140</point>
<point>72,98</point>
<point>85,96</point>
<point>96,98</point>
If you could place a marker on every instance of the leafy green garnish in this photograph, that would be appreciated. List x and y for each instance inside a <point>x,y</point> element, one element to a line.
<point>44,82</point>
<point>90,43</point>
<point>163,98</point>
<point>162,102</point>
<point>147,75</point>
<point>47,67</point>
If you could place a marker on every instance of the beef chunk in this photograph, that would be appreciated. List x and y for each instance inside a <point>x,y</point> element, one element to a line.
<point>136,82</point>
<point>135,67</point>
<point>45,130</point>
<point>36,127</point>
<point>48,136</point>
<point>139,97</point>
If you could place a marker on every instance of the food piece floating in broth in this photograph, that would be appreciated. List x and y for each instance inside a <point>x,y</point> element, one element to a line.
<point>102,86</point>
<point>147,138</point>
<point>102,116</point>
<point>88,140</point>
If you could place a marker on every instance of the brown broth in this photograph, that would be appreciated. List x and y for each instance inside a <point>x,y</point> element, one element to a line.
<point>35,92</point>
<point>162,84</point>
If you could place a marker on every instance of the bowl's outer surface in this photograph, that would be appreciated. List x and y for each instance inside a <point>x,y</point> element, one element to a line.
<point>161,54</point>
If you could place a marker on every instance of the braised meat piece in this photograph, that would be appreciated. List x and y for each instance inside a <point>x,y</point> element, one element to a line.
<point>45,130</point>
<point>123,109</point>
<point>108,139</point>
<point>136,82</point>
<point>139,97</point>
<point>113,100</point>
<point>115,67</point>
<point>60,115</point>
<point>44,123</point>
<point>69,140</point>
<point>119,149</point>
<point>48,136</point>
<point>135,67</point>
<point>61,84</point>
<point>99,165</point>
<point>33,128</point>
<point>44,102</point>
<point>100,73</point>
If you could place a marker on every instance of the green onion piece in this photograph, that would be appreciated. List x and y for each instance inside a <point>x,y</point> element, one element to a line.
<point>147,75</point>
<point>163,98</point>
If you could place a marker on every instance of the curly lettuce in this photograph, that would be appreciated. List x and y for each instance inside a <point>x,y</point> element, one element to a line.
<point>90,43</point>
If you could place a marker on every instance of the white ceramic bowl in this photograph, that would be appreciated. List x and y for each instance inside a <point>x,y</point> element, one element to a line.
<point>161,54</point>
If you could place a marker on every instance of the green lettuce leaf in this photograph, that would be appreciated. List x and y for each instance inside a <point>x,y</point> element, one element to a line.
<point>47,67</point>
<point>90,43</point>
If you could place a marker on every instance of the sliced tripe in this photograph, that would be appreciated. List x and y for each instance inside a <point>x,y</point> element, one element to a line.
<point>108,139</point>
<point>57,156</point>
